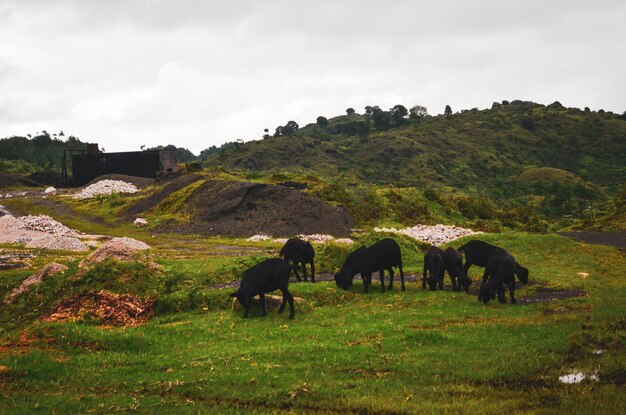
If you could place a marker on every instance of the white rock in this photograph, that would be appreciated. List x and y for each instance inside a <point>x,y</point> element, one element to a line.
<point>258,238</point>
<point>577,377</point>
<point>50,191</point>
<point>140,222</point>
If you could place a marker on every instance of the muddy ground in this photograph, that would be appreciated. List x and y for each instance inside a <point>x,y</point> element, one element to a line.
<point>616,239</point>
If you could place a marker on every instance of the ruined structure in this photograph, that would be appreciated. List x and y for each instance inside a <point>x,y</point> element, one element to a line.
<point>89,163</point>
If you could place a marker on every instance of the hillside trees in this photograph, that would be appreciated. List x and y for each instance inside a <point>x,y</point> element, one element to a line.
<point>322,121</point>
<point>398,113</point>
<point>417,112</point>
<point>350,112</point>
<point>287,129</point>
<point>448,110</point>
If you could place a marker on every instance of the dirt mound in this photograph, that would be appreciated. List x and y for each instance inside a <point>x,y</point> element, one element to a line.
<point>106,307</point>
<point>16,180</point>
<point>244,208</point>
<point>121,249</point>
<point>160,195</point>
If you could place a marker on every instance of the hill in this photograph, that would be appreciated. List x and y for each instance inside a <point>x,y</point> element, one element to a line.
<point>477,151</point>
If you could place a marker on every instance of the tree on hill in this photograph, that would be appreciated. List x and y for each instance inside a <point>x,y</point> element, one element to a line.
<point>287,129</point>
<point>182,154</point>
<point>369,110</point>
<point>322,121</point>
<point>448,110</point>
<point>398,113</point>
<point>417,112</point>
<point>381,120</point>
<point>350,112</point>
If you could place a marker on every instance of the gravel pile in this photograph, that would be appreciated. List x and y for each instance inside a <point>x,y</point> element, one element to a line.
<point>40,232</point>
<point>54,242</point>
<point>436,235</point>
<point>106,187</point>
<point>42,223</point>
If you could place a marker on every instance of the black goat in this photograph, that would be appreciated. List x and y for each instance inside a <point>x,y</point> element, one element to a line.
<point>479,253</point>
<point>265,277</point>
<point>454,265</point>
<point>351,266</point>
<point>434,263</point>
<point>299,252</point>
<point>500,271</point>
<point>383,255</point>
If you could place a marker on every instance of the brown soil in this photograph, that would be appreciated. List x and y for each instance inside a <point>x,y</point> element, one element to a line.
<point>106,307</point>
<point>616,239</point>
<point>244,209</point>
<point>139,182</point>
<point>160,195</point>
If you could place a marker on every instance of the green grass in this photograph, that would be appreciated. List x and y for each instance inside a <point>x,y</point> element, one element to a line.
<point>345,351</point>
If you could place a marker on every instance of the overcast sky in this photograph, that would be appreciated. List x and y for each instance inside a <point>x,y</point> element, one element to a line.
<point>199,73</point>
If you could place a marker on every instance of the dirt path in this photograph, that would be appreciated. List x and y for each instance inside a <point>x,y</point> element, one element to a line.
<point>616,239</point>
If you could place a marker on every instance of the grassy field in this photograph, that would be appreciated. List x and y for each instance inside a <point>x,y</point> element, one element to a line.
<point>345,352</point>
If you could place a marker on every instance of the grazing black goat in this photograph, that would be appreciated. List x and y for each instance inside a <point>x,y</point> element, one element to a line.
<point>383,255</point>
<point>434,263</point>
<point>499,272</point>
<point>351,266</point>
<point>265,277</point>
<point>454,265</point>
<point>479,253</point>
<point>299,252</point>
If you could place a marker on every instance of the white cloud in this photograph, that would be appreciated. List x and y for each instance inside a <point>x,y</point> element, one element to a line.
<point>199,73</point>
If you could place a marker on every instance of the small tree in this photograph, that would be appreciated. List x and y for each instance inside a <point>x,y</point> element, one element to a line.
<point>322,121</point>
<point>398,113</point>
<point>290,128</point>
<point>381,120</point>
<point>350,112</point>
<point>448,110</point>
<point>417,112</point>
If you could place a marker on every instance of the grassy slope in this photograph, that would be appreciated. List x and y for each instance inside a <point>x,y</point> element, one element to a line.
<point>346,352</point>
<point>464,150</point>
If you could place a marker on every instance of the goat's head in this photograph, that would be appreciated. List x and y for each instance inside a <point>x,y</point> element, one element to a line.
<point>343,280</point>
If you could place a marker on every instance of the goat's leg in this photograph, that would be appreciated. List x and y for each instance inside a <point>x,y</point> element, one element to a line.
<point>401,275</point>
<point>390,287</point>
<point>367,280</point>
<point>312,271</point>
<point>501,297</point>
<point>294,266</point>
<point>289,297</point>
<point>247,307</point>
<point>262,299</point>
<point>282,304</point>
<point>512,292</point>
<point>455,285</point>
<point>440,282</point>
<point>304,271</point>
<point>424,276</point>
<point>381,275</point>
